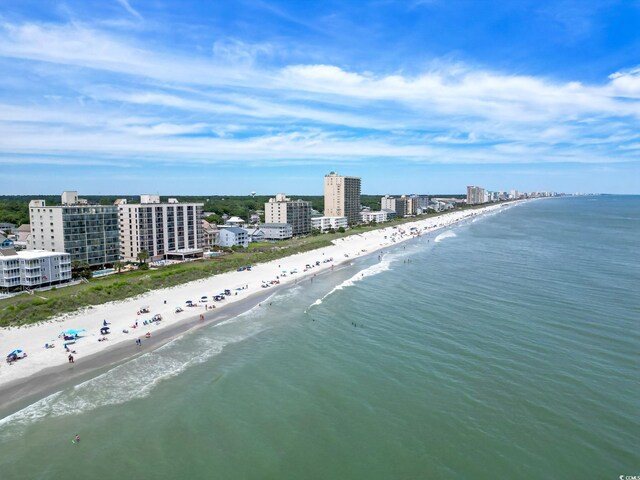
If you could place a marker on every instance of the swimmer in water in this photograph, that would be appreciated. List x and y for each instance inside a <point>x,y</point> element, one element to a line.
<point>76,439</point>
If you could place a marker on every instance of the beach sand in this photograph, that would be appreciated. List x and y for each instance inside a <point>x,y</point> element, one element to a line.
<point>44,369</point>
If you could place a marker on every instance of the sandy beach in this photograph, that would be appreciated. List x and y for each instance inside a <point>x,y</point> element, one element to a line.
<point>45,367</point>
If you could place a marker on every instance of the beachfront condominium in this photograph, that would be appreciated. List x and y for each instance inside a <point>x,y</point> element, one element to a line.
<point>342,197</point>
<point>296,213</point>
<point>89,233</point>
<point>417,204</point>
<point>395,204</point>
<point>326,224</point>
<point>33,268</point>
<point>377,217</point>
<point>475,195</point>
<point>169,230</point>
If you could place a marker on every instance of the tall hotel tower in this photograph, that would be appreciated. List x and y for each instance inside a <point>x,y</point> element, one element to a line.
<point>342,197</point>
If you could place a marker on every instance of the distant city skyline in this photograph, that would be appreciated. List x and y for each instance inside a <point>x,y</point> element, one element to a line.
<point>226,98</point>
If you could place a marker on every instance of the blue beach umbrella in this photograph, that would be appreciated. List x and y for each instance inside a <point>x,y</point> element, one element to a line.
<point>73,332</point>
<point>15,352</point>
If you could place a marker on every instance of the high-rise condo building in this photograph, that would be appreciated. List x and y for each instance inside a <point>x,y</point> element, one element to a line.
<point>296,213</point>
<point>342,197</point>
<point>396,204</point>
<point>89,233</point>
<point>169,230</point>
<point>475,195</point>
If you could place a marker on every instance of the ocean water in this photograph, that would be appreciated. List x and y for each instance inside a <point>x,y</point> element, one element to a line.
<point>505,347</point>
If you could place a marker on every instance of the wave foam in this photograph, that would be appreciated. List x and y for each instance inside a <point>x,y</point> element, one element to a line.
<point>132,380</point>
<point>376,269</point>
<point>445,235</point>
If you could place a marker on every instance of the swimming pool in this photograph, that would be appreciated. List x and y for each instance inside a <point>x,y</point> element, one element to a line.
<point>102,273</point>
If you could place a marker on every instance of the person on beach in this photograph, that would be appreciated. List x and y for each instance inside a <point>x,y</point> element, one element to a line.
<point>70,358</point>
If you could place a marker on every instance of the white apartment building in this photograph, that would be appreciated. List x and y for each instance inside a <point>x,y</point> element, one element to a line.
<point>378,217</point>
<point>276,231</point>
<point>324,224</point>
<point>231,236</point>
<point>89,233</point>
<point>164,230</point>
<point>342,197</point>
<point>33,268</point>
<point>296,213</point>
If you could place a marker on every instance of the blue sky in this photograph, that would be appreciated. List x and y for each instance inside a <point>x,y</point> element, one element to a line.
<point>229,97</point>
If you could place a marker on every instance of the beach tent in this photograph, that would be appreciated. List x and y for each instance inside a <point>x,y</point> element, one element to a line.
<point>73,332</point>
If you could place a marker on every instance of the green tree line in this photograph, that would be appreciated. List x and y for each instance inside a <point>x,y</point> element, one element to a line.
<point>15,209</point>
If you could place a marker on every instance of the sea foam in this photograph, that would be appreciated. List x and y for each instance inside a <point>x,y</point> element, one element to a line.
<point>132,380</point>
<point>445,235</point>
<point>376,269</point>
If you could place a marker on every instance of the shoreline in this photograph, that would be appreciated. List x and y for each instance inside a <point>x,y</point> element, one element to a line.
<point>51,379</point>
<point>25,382</point>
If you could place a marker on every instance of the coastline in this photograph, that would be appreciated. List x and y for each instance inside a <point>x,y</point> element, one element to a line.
<point>45,371</point>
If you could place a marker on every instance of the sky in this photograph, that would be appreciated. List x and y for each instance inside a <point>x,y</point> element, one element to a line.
<point>228,97</point>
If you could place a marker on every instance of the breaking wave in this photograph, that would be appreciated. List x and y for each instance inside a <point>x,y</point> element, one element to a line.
<point>376,269</point>
<point>132,380</point>
<point>445,235</point>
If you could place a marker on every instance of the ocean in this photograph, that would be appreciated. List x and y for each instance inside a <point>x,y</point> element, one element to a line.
<point>504,347</point>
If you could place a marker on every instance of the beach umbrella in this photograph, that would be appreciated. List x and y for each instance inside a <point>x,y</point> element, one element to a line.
<point>73,332</point>
<point>15,352</point>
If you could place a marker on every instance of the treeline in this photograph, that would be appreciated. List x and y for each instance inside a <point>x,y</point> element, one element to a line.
<point>15,209</point>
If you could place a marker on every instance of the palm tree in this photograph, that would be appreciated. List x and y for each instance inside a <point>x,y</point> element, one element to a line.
<point>118,266</point>
<point>143,256</point>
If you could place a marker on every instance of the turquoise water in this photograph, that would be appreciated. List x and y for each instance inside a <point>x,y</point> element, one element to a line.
<point>102,273</point>
<point>507,347</point>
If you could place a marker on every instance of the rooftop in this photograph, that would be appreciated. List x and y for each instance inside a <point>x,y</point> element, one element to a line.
<point>32,254</point>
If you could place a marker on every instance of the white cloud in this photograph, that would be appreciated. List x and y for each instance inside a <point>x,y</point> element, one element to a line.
<point>127,6</point>
<point>121,99</point>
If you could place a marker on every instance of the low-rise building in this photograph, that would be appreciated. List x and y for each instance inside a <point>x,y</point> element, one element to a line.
<point>324,224</point>
<point>378,217</point>
<point>391,214</point>
<point>232,236</point>
<point>33,268</point>
<point>7,228</point>
<point>5,242</point>
<point>255,234</point>
<point>235,222</point>
<point>210,235</point>
<point>277,231</point>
